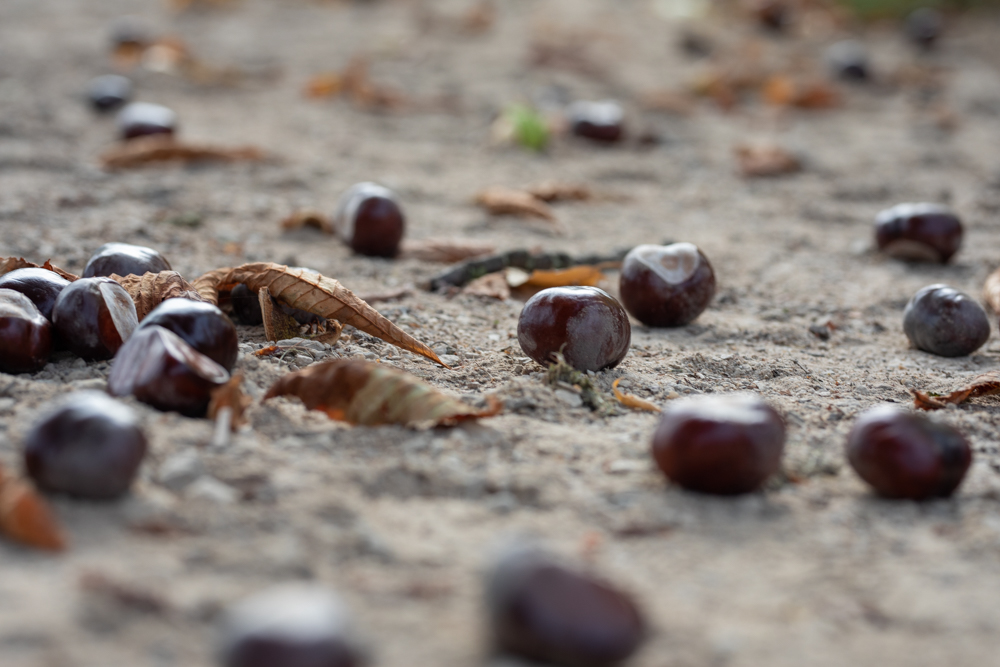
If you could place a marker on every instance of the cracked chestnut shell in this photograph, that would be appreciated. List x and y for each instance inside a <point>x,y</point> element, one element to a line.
<point>598,121</point>
<point>40,285</point>
<point>943,321</point>
<point>90,447</point>
<point>724,445</point>
<point>25,335</point>
<point>544,611</point>
<point>919,232</point>
<point>125,259</point>
<point>586,324</point>
<point>94,317</point>
<point>666,286</point>
<point>202,326</point>
<point>370,220</point>
<point>907,455</point>
<point>160,369</point>
<point>140,119</point>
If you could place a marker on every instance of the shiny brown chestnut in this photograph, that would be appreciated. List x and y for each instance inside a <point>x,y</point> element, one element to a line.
<point>94,317</point>
<point>40,285</point>
<point>160,369</point>
<point>919,232</point>
<point>91,446</point>
<point>292,625</point>
<point>202,326</point>
<point>125,259</point>
<point>666,286</point>
<point>586,324</point>
<point>907,455</point>
<point>141,119</point>
<point>943,321</point>
<point>848,60</point>
<point>544,611</point>
<point>598,121</point>
<point>725,445</point>
<point>370,220</point>
<point>25,335</point>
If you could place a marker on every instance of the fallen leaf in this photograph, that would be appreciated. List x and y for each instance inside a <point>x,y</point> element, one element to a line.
<point>307,218</point>
<point>25,517</point>
<point>986,384</point>
<point>991,291</point>
<point>327,84</point>
<point>151,289</point>
<point>784,91</point>
<point>446,251</point>
<point>578,275</point>
<point>154,149</point>
<point>507,201</point>
<point>313,293</point>
<point>528,260</point>
<point>231,396</point>
<point>766,160</point>
<point>354,82</point>
<point>493,285</point>
<point>278,325</point>
<point>371,394</point>
<point>630,401</point>
<point>552,191</point>
<point>8,264</point>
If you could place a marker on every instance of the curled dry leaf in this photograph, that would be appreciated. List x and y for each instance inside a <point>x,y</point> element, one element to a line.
<point>786,92</point>
<point>151,289</point>
<point>8,264</point>
<point>634,402</point>
<point>577,275</point>
<point>354,82</point>
<point>307,218</point>
<point>25,517</point>
<point>371,394</point>
<point>766,160</point>
<point>991,291</point>
<point>278,325</point>
<point>507,201</point>
<point>446,251</point>
<point>151,150</point>
<point>231,396</point>
<point>987,384</point>
<point>552,191</point>
<point>493,285</point>
<point>313,293</point>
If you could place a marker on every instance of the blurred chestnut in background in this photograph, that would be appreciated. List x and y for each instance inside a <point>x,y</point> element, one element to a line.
<point>40,285</point>
<point>598,121</point>
<point>94,317</point>
<point>125,259</point>
<point>774,15</point>
<point>246,305</point>
<point>140,119</point>
<point>920,232</point>
<point>923,27</point>
<point>943,321</point>
<point>25,334</point>
<point>666,286</point>
<point>906,455</point>
<point>848,60</point>
<point>202,326</point>
<point>109,92</point>
<point>91,446</point>
<point>724,445</point>
<point>370,220</point>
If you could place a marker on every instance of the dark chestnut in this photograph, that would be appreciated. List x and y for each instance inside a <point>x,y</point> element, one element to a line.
<point>597,121</point>
<point>125,259</point>
<point>848,60</point>
<point>724,445</point>
<point>919,232</point>
<point>293,625</point>
<point>40,285</point>
<point>906,455</point>
<point>25,335</point>
<point>202,326</point>
<point>130,31</point>
<point>140,119</point>
<point>586,324</point>
<point>772,15</point>
<point>109,92</point>
<point>91,447</point>
<point>943,321</point>
<point>94,317</point>
<point>541,610</point>
<point>369,219</point>
<point>246,305</point>
<point>666,286</point>
<point>923,27</point>
<point>160,369</point>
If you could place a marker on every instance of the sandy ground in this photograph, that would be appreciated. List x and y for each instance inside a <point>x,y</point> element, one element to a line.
<point>402,523</point>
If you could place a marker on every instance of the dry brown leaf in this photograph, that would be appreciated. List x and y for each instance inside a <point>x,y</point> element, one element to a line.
<point>232,396</point>
<point>492,285</point>
<point>782,90</point>
<point>634,402</point>
<point>507,201</point>
<point>986,384</point>
<point>577,275</point>
<point>151,289</point>
<point>446,251</point>
<point>278,325</point>
<point>307,218</point>
<point>8,264</point>
<point>354,82</point>
<point>766,160</point>
<point>991,291</point>
<point>152,150</point>
<point>313,293</point>
<point>25,517</point>
<point>327,84</point>
<point>552,191</point>
<point>371,394</point>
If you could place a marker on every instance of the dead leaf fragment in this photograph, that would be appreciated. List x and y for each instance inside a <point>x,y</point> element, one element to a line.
<point>507,201</point>
<point>493,285</point>
<point>278,325</point>
<point>766,160</point>
<point>8,264</point>
<point>987,384</point>
<point>231,396</point>
<point>25,517</point>
<point>371,394</point>
<point>154,150</point>
<point>354,82</point>
<point>307,218</point>
<point>577,275</point>
<point>446,251</point>
<point>553,191</point>
<point>634,402</point>
<point>151,289</point>
<point>784,91</point>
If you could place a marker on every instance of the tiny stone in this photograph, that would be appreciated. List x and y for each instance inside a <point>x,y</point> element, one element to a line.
<point>570,398</point>
<point>451,359</point>
<point>209,488</point>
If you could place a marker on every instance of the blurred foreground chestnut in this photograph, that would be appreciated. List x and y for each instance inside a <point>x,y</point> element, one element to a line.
<point>94,317</point>
<point>848,60</point>
<point>919,232</point>
<point>906,455</point>
<point>369,219</point>
<point>40,285</point>
<point>201,325</point>
<point>140,119</point>
<point>923,27</point>
<point>943,321</point>
<point>543,611</point>
<point>246,305</point>
<point>109,92</point>
<point>125,259</point>
<point>91,446</point>
<point>666,286</point>
<point>719,444</point>
<point>292,625</point>
<point>598,121</point>
<point>160,369</point>
<point>25,335</point>
<point>586,324</point>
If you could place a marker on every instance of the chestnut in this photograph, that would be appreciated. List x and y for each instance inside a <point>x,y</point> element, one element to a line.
<point>40,285</point>
<point>109,92</point>
<point>94,317</point>
<point>546,612</point>
<point>848,60</point>
<point>25,335</point>
<point>125,259</point>
<point>923,27</point>
<point>160,369</point>
<point>202,326</point>
<point>91,446</point>
<point>292,625</point>
<point>943,321</point>
<point>369,220</point>
<point>586,324</point>
<point>597,121</point>
<point>246,305</point>
<point>140,119</point>
<point>772,15</point>
<point>724,445</point>
<point>920,232</point>
<point>907,455</point>
<point>666,286</point>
